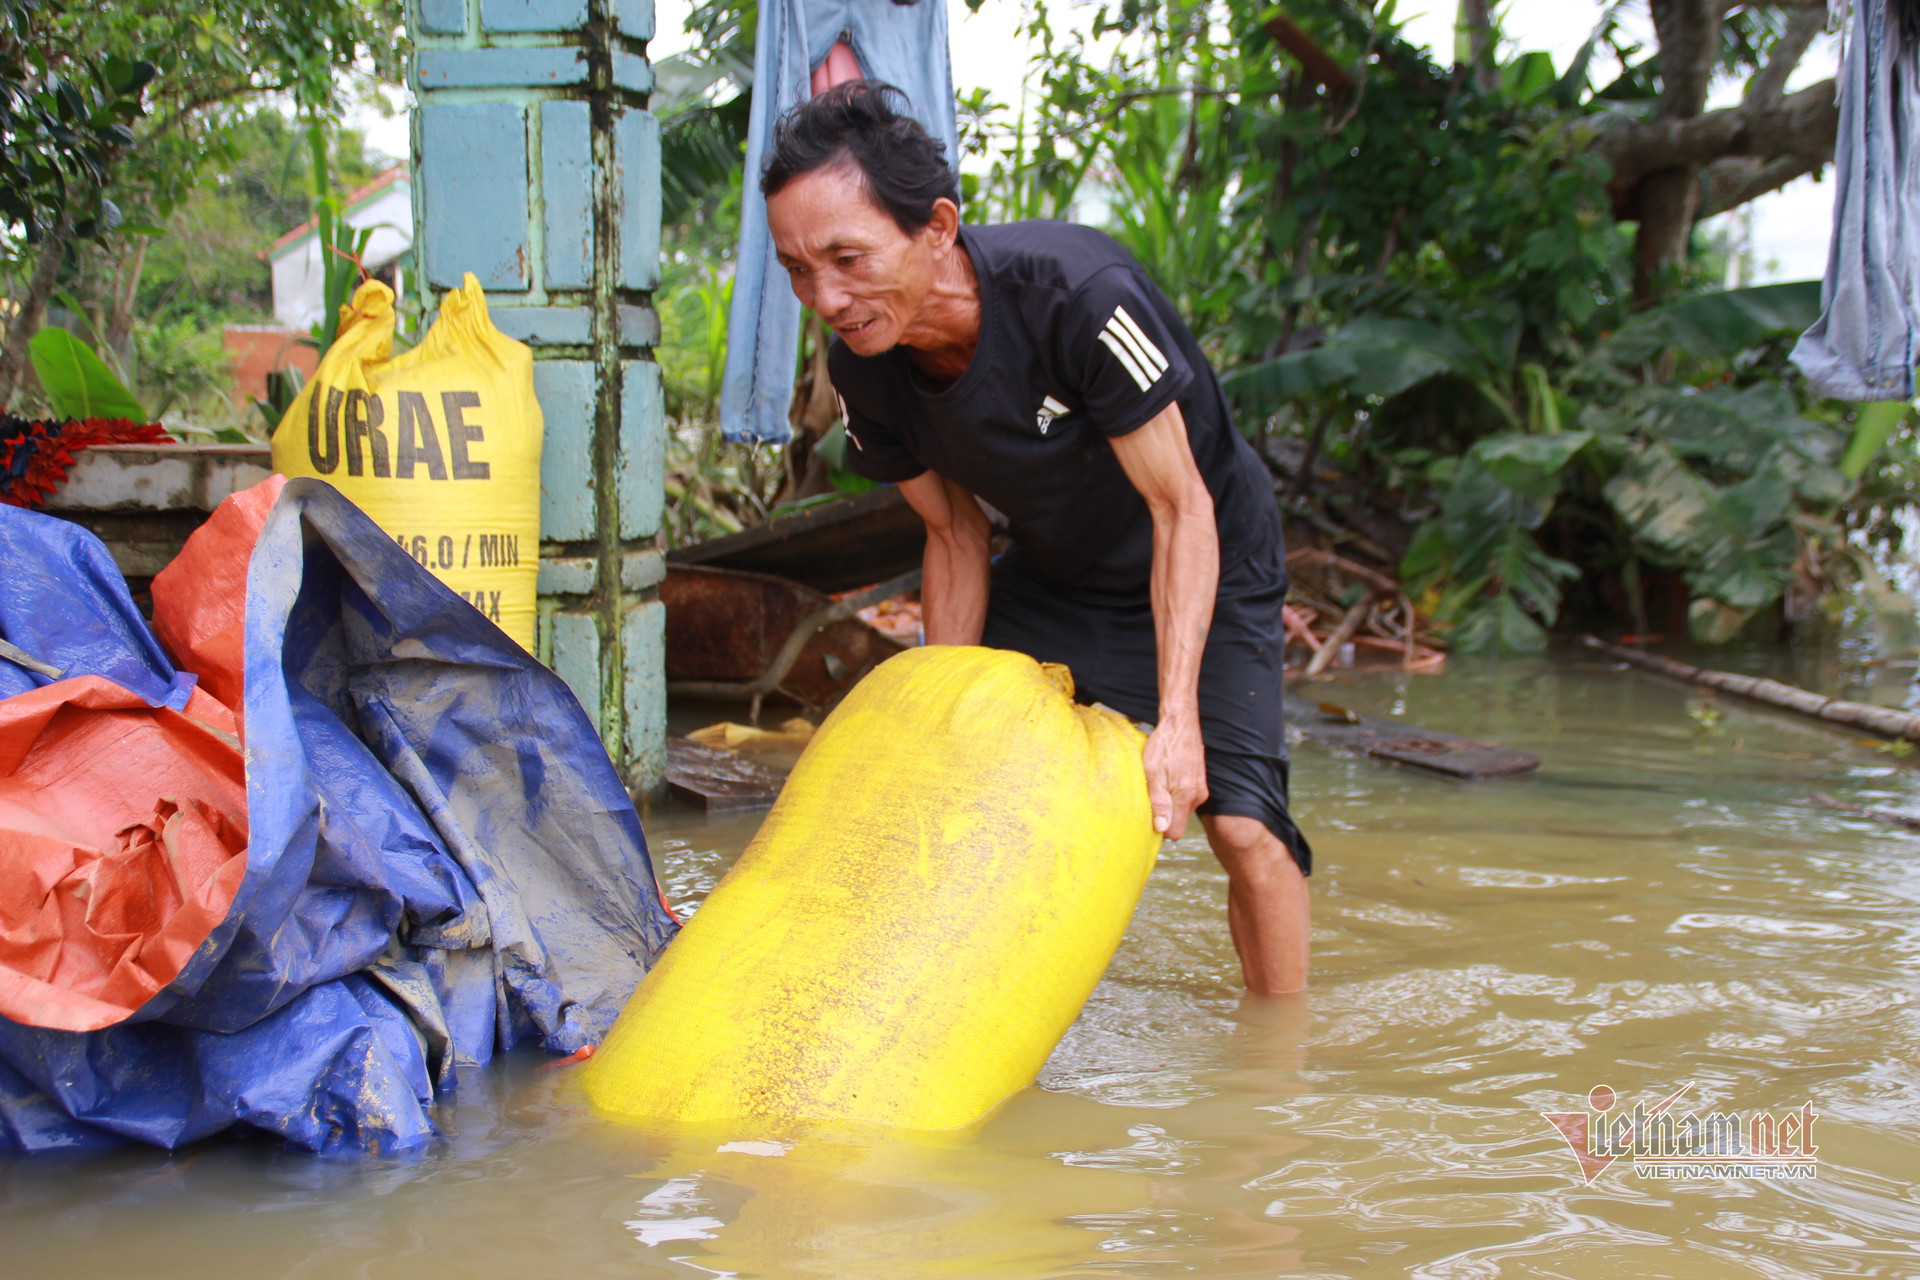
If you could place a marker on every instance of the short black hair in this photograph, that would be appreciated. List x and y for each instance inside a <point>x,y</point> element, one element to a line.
<point>857,122</point>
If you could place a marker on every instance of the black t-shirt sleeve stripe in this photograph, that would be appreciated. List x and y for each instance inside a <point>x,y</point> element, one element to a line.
<point>1132,368</point>
<point>1125,327</point>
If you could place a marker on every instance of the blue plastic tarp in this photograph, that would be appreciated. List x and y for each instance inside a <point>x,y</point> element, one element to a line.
<point>63,601</point>
<point>441,862</point>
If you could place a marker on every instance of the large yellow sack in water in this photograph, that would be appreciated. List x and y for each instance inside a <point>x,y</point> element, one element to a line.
<point>920,918</point>
<point>440,445</point>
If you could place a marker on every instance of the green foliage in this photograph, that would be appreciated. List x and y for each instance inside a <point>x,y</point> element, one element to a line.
<point>1431,271</point>
<point>1876,425</point>
<point>182,362</point>
<point>72,79</point>
<point>260,185</point>
<point>77,382</point>
<point>66,116</point>
<point>1481,548</point>
<point>833,447</point>
<point>703,98</point>
<point>283,388</point>
<point>693,349</point>
<point>1171,162</point>
<point>1717,323</point>
<point>1717,473</point>
<point>1428,273</point>
<point>714,488</point>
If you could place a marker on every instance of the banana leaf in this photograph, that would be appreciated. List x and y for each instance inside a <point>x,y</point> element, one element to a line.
<point>1372,356</point>
<point>77,382</point>
<point>1716,326</point>
<point>1735,539</point>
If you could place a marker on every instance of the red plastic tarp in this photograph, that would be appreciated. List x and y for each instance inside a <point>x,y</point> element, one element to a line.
<point>123,828</point>
<point>200,600</point>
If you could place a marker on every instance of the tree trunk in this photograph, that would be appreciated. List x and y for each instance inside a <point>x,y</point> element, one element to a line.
<point>32,310</point>
<point>120,322</point>
<point>1667,202</point>
<point>1689,34</point>
<point>1473,42</point>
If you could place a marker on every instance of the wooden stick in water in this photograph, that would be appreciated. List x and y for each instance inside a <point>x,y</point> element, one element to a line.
<point>1341,634</point>
<point>1883,721</point>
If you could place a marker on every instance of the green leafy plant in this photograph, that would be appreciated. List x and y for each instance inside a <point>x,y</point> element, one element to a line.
<point>78,383</point>
<point>182,362</point>
<point>283,388</point>
<point>1728,481</point>
<point>1424,288</point>
<point>341,246</point>
<point>693,357</point>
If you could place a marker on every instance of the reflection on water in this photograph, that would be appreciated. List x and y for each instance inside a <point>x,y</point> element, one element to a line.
<point>1658,907</point>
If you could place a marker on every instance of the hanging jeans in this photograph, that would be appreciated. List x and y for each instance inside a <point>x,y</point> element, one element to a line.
<point>902,44</point>
<point>1863,345</point>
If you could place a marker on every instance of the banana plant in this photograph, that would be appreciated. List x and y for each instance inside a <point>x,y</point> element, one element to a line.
<point>341,247</point>
<point>1725,482</point>
<point>77,382</point>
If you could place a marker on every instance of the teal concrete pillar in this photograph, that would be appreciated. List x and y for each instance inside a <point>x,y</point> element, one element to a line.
<point>538,169</point>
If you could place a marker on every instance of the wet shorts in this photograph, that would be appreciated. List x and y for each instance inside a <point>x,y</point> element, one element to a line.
<point>1109,647</point>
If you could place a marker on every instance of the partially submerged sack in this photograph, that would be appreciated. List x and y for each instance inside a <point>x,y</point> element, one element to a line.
<point>440,445</point>
<point>919,920</point>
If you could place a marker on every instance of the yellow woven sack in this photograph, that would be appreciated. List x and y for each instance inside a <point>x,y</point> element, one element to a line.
<point>440,445</point>
<point>919,920</point>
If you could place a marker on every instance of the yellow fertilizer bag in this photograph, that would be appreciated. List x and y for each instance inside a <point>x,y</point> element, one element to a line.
<point>919,920</point>
<point>440,445</point>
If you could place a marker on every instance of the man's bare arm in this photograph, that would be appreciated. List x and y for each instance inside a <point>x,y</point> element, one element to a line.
<point>953,587</point>
<point>1186,574</point>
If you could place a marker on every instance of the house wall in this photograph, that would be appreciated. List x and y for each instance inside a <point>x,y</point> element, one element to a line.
<point>256,350</point>
<point>298,285</point>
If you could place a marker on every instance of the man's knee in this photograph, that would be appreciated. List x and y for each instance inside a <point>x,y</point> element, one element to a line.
<point>1246,847</point>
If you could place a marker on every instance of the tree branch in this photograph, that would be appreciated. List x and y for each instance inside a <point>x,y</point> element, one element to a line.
<point>194,105</point>
<point>1689,35</point>
<point>33,307</point>
<point>1318,65</point>
<point>1801,124</point>
<point>1730,183</point>
<point>1770,82</point>
<point>1475,21</point>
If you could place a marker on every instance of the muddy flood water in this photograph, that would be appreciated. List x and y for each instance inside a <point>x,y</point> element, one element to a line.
<point>1658,907</point>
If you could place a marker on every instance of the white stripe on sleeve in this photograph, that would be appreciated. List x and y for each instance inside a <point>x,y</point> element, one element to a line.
<point>1127,358</point>
<point>1149,353</point>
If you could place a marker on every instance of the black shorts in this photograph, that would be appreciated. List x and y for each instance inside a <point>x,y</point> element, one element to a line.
<point>1109,647</point>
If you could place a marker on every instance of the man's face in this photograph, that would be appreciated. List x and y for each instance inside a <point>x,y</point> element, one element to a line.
<point>849,260</point>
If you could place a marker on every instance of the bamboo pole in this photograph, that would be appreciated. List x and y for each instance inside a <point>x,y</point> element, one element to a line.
<point>1330,648</point>
<point>1883,721</point>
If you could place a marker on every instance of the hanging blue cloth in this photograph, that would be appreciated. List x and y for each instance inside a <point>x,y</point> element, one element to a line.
<point>1864,344</point>
<point>902,44</point>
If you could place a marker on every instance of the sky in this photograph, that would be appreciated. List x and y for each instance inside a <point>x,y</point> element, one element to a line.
<point>1788,228</point>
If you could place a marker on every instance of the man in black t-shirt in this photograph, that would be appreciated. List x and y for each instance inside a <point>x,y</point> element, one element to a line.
<point>1036,368</point>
